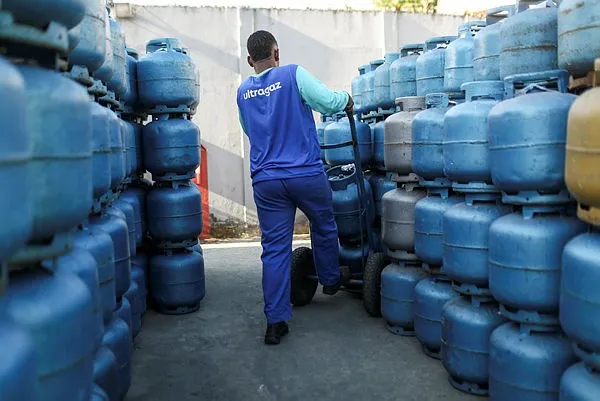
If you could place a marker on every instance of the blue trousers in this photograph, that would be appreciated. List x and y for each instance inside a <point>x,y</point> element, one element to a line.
<point>276,202</point>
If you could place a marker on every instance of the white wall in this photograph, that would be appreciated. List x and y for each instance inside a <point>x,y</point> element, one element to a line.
<point>330,44</point>
<point>288,4</point>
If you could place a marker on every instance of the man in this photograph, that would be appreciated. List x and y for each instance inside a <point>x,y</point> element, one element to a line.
<point>275,112</point>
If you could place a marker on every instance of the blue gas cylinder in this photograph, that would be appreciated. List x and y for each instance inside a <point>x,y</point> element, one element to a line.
<point>486,49</point>
<point>57,312</point>
<point>138,275</point>
<point>398,217</point>
<point>140,191</point>
<point>378,130</point>
<point>101,150</point>
<point>117,156</point>
<point>580,383</point>
<point>354,256</point>
<point>139,148</point>
<point>126,132</point>
<point>358,88</point>
<point>427,156</point>
<point>403,72</point>
<point>177,281</point>
<point>429,225</point>
<point>458,67</point>
<point>528,134</point>
<point>525,248</point>
<point>106,71</point>
<point>123,312</point>
<point>97,394</point>
<point>398,282</point>
<point>527,362</point>
<point>174,212</point>
<point>40,13</point>
<point>81,263</point>
<point>579,298</point>
<point>528,41</point>
<point>59,123</point>
<point>131,196</point>
<point>467,324</point>
<point>99,244</point>
<point>141,262</point>
<point>119,80</point>
<point>466,149</point>
<point>171,148</point>
<point>117,338</point>
<point>91,49</point>
<point>16,211</point>
<point>132,93</point>
<point>466,241</point>
<point>431,294</point>
<point>383,95</point>
<point>430,65</point>
<point>132,154</point>
<point>325,121</point>
<point>116,227</point>
<point>346,202</point>
<point>17,365</point>
<point>578,35</point>
<point>166,76</point>
<point>339,132</point>
<point>129,213</point>
<point>381,184</point>
<point>368,98</point>
<point>133,296</point>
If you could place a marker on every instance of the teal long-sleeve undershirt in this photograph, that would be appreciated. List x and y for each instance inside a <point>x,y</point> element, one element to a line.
<point>315,94</point>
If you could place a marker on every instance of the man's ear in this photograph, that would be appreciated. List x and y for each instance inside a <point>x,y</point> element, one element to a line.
<point>276,55</point>
<point>250,62</point>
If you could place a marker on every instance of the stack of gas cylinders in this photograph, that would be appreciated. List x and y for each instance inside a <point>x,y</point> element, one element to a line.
<point>168,89</point>
<point>491,268</point>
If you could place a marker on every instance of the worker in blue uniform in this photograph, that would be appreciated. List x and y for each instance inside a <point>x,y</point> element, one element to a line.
<point>275,110</point>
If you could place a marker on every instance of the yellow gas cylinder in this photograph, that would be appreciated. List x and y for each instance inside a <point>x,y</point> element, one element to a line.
<point>582,165</point>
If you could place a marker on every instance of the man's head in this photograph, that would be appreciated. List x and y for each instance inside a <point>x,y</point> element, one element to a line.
<point>263,51</point>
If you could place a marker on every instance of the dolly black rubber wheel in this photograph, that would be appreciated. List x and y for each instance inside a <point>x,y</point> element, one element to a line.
<point>376,262</point>
<point>303,287</point>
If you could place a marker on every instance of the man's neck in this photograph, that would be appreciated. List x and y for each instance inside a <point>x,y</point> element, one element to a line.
<point>263,66</point>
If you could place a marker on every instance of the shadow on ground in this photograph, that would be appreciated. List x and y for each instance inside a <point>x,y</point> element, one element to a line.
<point>334,351</point>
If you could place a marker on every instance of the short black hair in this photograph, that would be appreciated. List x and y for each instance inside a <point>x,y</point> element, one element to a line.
<point>260,44</point>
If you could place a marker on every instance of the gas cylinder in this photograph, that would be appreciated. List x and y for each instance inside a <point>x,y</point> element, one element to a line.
<point>486,48</point>
<point>578,25</point>
<point>382,94</point>
<point>132,94</point>
<point>583,155</point>
<point>381,184</point>
<point>527,362</point>
<point>138,275</point>
<point>130,220</point>
<point>57,312</point>
<point>131,196</point>
<point>16,211</point>
<point>580,383</point>
<point>17,365</point>
<point>97,394</point>
<point>338,133</point>
<point>133,296</point>
<point>140,191</point>
<point>59,123</point>
<point>429,219</point>
<point>525,249</point>
<point>117,338</point>
<point>141,262</point>
<point>378,130</point>
<point>116,227</point>
<point>467,324</point>
<point>427,157</point>
<point>125,131</point>
<point>123,312</point>
<point>119,79</point>
<point>579,298</point>
<point>431,294</point>
<point>351,256</point>
<point>368,98</point>
<point>528,134</point>
<point>528,41</point>
<point>101,150</point>
<point>398,282</point>
<point>398,217</point>
<point>106,372</point>
<point>171,148</point>
<point>466,241</point>
<point>177,281</point>
<point>347,206</point>
<point>139,148</point>
<point>458,67</point>
<point>166,76</point>
<point>91,49</point>
<point>117,156</point>
<point>397,140</point>
<point>40,13</point>
<point>106,71</point>
<point>323,123</point>
<point>466,149</point>
<point>430,65</point>
<point>174,212</point>
<point>130,131</point>
<point>403,72</point>
<point>358,88</point>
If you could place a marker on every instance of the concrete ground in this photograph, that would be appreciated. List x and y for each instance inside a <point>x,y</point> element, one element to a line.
<point>334,351</point>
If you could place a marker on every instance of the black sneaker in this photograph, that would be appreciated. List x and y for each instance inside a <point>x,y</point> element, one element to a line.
<point>275,332</point>
<point>344,278</point>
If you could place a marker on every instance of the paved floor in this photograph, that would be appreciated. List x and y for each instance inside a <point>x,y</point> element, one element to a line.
<point>334,351</point>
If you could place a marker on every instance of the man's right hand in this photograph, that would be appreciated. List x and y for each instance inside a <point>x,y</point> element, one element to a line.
<point>350,105</point>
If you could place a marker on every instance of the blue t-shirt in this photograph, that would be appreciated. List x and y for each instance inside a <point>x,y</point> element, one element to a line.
<point>275,113</point>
